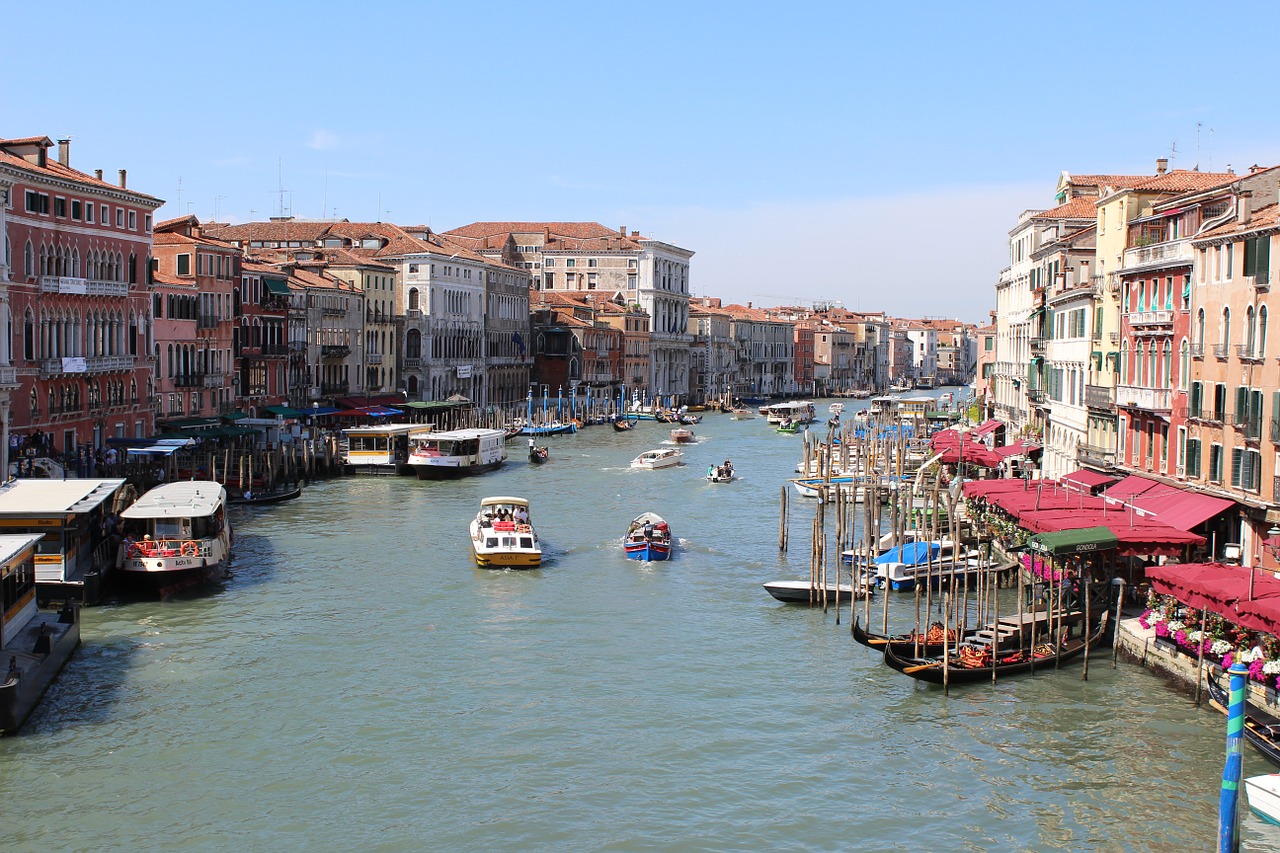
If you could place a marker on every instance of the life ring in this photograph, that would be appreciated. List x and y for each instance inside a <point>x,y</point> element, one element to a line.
<point>190,548</point>
<point>135,550</point>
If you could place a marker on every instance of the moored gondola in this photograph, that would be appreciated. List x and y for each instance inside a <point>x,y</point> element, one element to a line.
<point>904,645</point>
<point>1016,662</point>
<point>1260,728</point>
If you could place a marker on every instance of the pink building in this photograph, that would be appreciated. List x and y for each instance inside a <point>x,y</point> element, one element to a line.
<point>79,250</point>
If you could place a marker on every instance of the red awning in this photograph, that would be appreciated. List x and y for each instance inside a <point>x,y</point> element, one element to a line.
<point>1178,507</point>
<point>988,427</point>
<point>1124,490</point>
<point>1087,479</point>
<point>974,454</point>
<point>1223,590</point>
<point>1018,448</point>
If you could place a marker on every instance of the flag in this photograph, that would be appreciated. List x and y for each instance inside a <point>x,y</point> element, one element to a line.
<point>519,342</point>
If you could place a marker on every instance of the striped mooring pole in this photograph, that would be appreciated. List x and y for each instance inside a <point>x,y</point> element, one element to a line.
<point>1229,800</point>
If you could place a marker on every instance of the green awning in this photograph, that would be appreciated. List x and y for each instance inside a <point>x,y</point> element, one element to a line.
<point>236,415</point>
<point>284,411</point>
<point>1086,540</point>
<point>276,285</point>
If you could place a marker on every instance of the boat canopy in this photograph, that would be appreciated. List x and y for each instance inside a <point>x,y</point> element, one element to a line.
<point>504,499</point>
<point>183,499</point>
<point>32,498</point>
<point>910,553</point>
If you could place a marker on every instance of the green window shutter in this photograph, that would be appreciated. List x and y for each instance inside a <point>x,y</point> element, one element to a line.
<point>1263,264</point>
<point>1255,414</point>
<point>1195,399</point>
<point>1237,460</point>
<point>1275,416</point>
<point>1241,414</point>
<point>1250,255</point>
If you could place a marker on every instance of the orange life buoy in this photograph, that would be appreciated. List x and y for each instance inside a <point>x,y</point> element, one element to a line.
<point>190,548</point>
<point>135,550</point>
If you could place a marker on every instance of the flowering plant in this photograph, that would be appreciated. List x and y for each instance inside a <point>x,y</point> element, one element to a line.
<point>1145,619</point>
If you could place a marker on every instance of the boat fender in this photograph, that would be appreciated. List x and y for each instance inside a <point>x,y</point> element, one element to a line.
<point>190,548</point>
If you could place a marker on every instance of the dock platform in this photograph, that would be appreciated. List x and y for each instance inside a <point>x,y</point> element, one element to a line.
<point>32,659</point>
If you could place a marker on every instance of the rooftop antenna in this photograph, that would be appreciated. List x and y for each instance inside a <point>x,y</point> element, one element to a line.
<point>1211,149</point>
<point>179,192</point>
<point>280,182</point>
<point>325,205</point>
<point>217,206</point>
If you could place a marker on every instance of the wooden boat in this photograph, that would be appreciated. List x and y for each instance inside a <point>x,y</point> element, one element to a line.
<point>904,645</point>
<point>512,431</point>
<point>743,414</point>
<point>680,435</point>
<point>274,497</point>
<point>1264,796</point>
<point>623,425</point>
<point>1260,728</point>
<point>664,457</point>
<point>804,592</point>
<point>662,417</point>
<point>502,535</point>
<point>688,419</point>
<point>1042,657</point>
<point>537,454</point>
<point>552,428</point>
<point>648,538</point>
<point>456,453</point>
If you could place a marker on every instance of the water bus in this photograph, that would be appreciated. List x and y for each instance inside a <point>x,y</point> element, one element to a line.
<point>456,453</point>
<point>795,411</point>
<point>176,535</point>
<point>378,449</point>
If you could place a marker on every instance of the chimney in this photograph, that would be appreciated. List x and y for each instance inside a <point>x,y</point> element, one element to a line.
<point>622,231</point>
<point>635,233</point>
<point>64,152</point>
<point>546,234</point>
<point>748,304</point>
<point>1244,207</point>
<point>124,179</point>
<point>97,173</point>
<point>1162,165</point>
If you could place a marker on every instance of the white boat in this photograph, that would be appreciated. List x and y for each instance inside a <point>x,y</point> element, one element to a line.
<point>795,411</point>
<point>378,449</point>
<point>835,408</point>
<point>721,473</point>
<point>502,535</point>
<point>1264,796</point>
<point>663,457</point>
<point>799,592</point>
<point>940,560</point>
<point>680,435</point>
<point>456,453</point>
<point>742,413</point>
<point>176,535</point>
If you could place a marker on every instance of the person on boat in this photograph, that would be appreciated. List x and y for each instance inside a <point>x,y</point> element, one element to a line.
<point>521,515</point>
<point>727,468</point>
<point>648,532</point>
<point>248,494</point>
<point>712,471</point>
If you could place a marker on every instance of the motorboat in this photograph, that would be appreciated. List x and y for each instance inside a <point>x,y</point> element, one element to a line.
<point>804,592</point>
<point>663,457</point>
<point>742,413</point>
<point>835,408</point>
<point>648,538</point>
<point>788,428</point>
<point>861,394</point>
<point>721,473</point>
<point>940,560</point>
<point>680,435</point>
<point>502,536</point>
<point>795,411</point>
<point>456,453</point>
<point>1264,796</point>
<point>176,535</point>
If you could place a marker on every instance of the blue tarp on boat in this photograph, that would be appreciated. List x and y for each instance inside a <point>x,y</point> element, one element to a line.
<point>910,553</point>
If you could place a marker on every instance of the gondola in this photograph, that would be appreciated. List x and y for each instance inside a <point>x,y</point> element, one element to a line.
<point>930,669</point>
<point>661,416</point>
<point>537,454</point>
<point>623,425</point>
<point>903,645</point>
<point>276,497</point>
<point>1260,728</point>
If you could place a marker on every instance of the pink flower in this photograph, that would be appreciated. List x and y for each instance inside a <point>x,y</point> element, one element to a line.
<point>1162,629</point>
<point>1255,669</point>
<point>1227,660</point>
<point>1143,620</point>
<point>1180,638</point>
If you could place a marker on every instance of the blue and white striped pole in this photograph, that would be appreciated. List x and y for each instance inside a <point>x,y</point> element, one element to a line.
<point>1229,801</point>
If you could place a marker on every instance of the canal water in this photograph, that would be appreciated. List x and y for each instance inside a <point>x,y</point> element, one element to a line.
<point>357,682</point>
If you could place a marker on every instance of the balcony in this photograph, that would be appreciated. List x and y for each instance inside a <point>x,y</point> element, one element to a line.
<point>373,358</point>
<point>335,351</point>
<point>1036,396</point>
<point>1148,399</point>
<point>1245,353</point>
<point>1037,346</point>
<point>275,349</point>
<point>189,380</point>
<point>1096,455</point>
<point>1161,254</point>
<point>331,388</point>
<point>1147,319</point>
<point>1261,282</point>
<point>82,286</point>
<point>1099,397</point>
<point>1220,351</point>
<point>297,346</point>
<point>95,364</point>
<point>1196,350</point>
<point>412,363</point>
<point>333,312</point>
<point>8,377</point>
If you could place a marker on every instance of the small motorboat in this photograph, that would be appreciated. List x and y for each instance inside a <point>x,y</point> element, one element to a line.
<point>1264,796</point>
<point>742,413</point>
<point>835,408</point>
<point>537,453</point>
<point>502,536</point>
<point>648,538</point>
<point>721,473</point>
<point>788,427</point>
<point>803,592</point>
<point>664,457</point>
<point>680,435</point>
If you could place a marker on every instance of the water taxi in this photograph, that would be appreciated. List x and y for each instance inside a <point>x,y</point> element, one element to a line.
<point>648,538</point>
<point>502,536</point>
<point>663,457</point>
<point>680,435</point>
<point>742,413</point>
<point>378,449</point>
<point>176,535</point>
<point>456,453</point>
<point>795,411</point>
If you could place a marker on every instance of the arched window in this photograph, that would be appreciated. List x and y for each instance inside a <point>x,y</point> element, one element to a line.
<point>29,335</point>
<point>1166,377</point>
<point>1184,364</point>
<point>28,260</point>
<point>413,299</point>
<point>1250,330</point>
<point>1226,328</point>
<point>1200,327</point>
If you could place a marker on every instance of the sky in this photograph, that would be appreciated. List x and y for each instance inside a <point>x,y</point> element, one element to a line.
<point>871,155</point>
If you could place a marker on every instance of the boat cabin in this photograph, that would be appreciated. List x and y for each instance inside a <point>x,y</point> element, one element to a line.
<point>378,449</point>
<point>73,555</point>
<point>176,513</point>
<point>17,584</point>
<point>795,411</point>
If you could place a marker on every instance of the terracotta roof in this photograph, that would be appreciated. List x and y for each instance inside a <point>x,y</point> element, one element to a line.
<point>1119,182</point>
<point>1080,207</point>
<point>576,230</point>
<point>275,231</point>
<point>1267,216</point>
<point>343,258</point>
<point>190,220</point>
<point>158,277</point>
<point>1183,180</point>
<point>54,169</point>
<point>28,140</point>
<point>171,238</point>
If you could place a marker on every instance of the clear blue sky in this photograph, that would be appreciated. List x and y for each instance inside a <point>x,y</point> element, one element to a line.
<point>874,154</point>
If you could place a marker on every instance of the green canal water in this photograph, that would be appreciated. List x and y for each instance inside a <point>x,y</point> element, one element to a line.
<point>358,684</point>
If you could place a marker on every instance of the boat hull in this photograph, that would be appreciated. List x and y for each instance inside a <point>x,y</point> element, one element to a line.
<point>932,670</point>
<point>506,559</point>
<point>650,552</point>
<point>452,471</point>
<point>802,592</point>
<point>1264,797</point>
